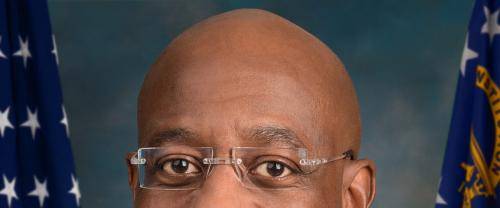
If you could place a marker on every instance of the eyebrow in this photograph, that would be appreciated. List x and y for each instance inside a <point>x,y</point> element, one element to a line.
<point>172,135</point>
<point>275,134</point>
<point>267,134</point>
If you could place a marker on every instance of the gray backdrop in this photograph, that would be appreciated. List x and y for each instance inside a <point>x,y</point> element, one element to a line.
<point>403,57</point>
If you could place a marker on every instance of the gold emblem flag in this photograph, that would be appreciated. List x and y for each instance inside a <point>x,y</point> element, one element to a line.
<point>492,174</point>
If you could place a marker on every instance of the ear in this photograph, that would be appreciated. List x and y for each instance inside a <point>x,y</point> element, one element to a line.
<point>358,189</point>
<point>132,173</point>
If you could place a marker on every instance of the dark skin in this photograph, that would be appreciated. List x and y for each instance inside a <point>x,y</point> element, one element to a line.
<point>242,72</point>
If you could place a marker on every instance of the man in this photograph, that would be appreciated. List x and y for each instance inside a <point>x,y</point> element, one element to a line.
<point>246,109</point>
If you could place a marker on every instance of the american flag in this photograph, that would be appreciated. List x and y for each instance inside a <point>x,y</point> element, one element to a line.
<point>470,176</point>
<point>36,162</point>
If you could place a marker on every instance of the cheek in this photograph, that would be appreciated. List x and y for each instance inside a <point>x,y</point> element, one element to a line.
<point>329,185</point>
<point>307,198</point>
<point>161,199</point>
<point>326,191</point>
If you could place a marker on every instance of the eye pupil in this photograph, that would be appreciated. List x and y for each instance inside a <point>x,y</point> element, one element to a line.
<point>180,165</point>
<point>275,169</point>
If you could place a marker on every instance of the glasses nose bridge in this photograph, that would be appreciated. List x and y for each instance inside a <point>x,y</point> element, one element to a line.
<point>222,161</point>
<point>231,161</point>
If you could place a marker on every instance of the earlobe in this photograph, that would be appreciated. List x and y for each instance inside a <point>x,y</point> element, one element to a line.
<point>359,185</point>
<point>132,173</point>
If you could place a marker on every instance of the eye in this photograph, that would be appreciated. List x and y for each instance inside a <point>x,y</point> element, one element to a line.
<point>272,169</point>
<point>179,166</point>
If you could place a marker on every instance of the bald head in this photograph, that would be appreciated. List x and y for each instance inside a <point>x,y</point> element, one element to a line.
<point>249,78</point>
<point>256,52</point>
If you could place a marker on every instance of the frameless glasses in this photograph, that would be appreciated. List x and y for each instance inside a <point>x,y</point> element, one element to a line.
<point>183,168</point>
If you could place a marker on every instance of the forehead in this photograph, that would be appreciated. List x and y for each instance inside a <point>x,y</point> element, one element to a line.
<point>228,104</point>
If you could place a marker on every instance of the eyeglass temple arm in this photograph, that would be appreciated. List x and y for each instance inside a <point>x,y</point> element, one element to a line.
<point>319,161</point>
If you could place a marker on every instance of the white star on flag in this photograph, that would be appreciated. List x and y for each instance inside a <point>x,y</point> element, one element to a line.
<point>64,120</point>
<point>8,190</point>
<point>32,122</point>
<point>491,26</point>
<point>439,199</point>
<point>1,53</point>
<point>467,55</point>
<point>23,51</point>
<point>40,191</point>
<point>4,121</point>
<point>54,49</point>
<point>75,190</point>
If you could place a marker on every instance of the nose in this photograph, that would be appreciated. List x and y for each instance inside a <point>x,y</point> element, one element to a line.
<point>223,190</point>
